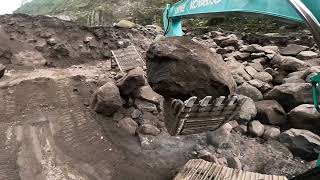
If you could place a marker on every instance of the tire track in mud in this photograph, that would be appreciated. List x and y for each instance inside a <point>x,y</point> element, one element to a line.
<point>9,169</point>
<point>81,135</point>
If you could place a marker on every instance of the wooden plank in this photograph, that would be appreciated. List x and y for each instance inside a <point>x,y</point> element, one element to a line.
<point>198,169</point>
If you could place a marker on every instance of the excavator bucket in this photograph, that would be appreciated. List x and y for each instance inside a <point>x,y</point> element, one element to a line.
<point>191,117</point>
<point>315,80</point>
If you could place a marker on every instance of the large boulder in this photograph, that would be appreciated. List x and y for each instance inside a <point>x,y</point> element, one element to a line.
<point>271,112</point>
<point>305,116</point>
<point>178,67</point>
<point>106,100</point>
<point>291,95</point>
<point>302,143</point>
<point>132,81</point>
<point>250,91</point>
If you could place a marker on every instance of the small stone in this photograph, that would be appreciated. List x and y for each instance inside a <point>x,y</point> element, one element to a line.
<point>148,129</point>
<point>87,39</point>
<point>136,113</point>
<point>129,125</point>
<point>241,129</point>
<point>207,156</point>
<point>218,137</point>
<point>52,41</point>
<point>248,90</point>
<point>263,76</point>
<point>223,161</point>
<point>234,163</point>
<point>257,55</point>
<point>293,50</point>
<point>118,116</point>
<point>248,110</point>
<point>256,129</point>
<point>251,71</point>
<point>143,105</point>
<point>271,133</point>
<point>305,55</point>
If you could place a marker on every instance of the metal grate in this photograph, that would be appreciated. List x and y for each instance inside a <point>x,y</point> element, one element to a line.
<point>198,169</point>
<point>190,118</point>
<point>127,58</point>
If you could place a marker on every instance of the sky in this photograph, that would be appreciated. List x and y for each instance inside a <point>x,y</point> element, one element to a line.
<point>8,6</point>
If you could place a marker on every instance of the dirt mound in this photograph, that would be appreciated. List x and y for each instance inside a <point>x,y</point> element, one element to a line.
<point>61,43</point>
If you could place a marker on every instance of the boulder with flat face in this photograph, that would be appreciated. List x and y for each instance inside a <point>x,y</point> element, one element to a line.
<point>106,100</point>
<point>271,112</point>
<point>302,143</point>
<point>178,67</point>
<point>306,117</point>
<point>291,95</point>
<point>2,70</point>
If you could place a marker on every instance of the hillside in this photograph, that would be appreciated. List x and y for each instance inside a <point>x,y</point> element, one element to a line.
<point>98,12</point>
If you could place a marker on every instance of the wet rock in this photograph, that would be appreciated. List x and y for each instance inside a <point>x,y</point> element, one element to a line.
<point>2,70</point>
<point>271,112</point>
<point>128,125</point>
<point>302,143</point>
<point>234,163</point>
<point>148,129</point>
<point>306,117</point>
<point>271,133</point>
<point>218,137</point>
<point>248,110</point>
<point>248,90</point>
<point>173,70</point>
<point>293,50</point>
<point>292,64</point>
<point>125,24</point>
<point>132,81</point>
<point>106,100</point>
<point>256,129</point>
<point>291,95</point>
<point>146,93</point>
<point>304,55</point>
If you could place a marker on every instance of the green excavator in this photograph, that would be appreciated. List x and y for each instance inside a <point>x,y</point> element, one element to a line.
<point>188,117</point>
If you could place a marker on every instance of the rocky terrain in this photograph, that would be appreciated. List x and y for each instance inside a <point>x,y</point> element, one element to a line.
<point>66,114</point>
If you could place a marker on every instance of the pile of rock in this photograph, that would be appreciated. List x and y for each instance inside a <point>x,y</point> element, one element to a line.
<point>131,102</point>
<point>277,79</point>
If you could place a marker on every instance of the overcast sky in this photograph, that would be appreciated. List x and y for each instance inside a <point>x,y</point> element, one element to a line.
<point>8,6</point>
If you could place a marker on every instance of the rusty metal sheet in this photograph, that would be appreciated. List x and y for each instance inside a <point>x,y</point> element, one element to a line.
<point>198,169</point>
<point>127,58</point>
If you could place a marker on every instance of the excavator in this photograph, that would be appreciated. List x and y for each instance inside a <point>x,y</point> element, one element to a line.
<point>192,116</point>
